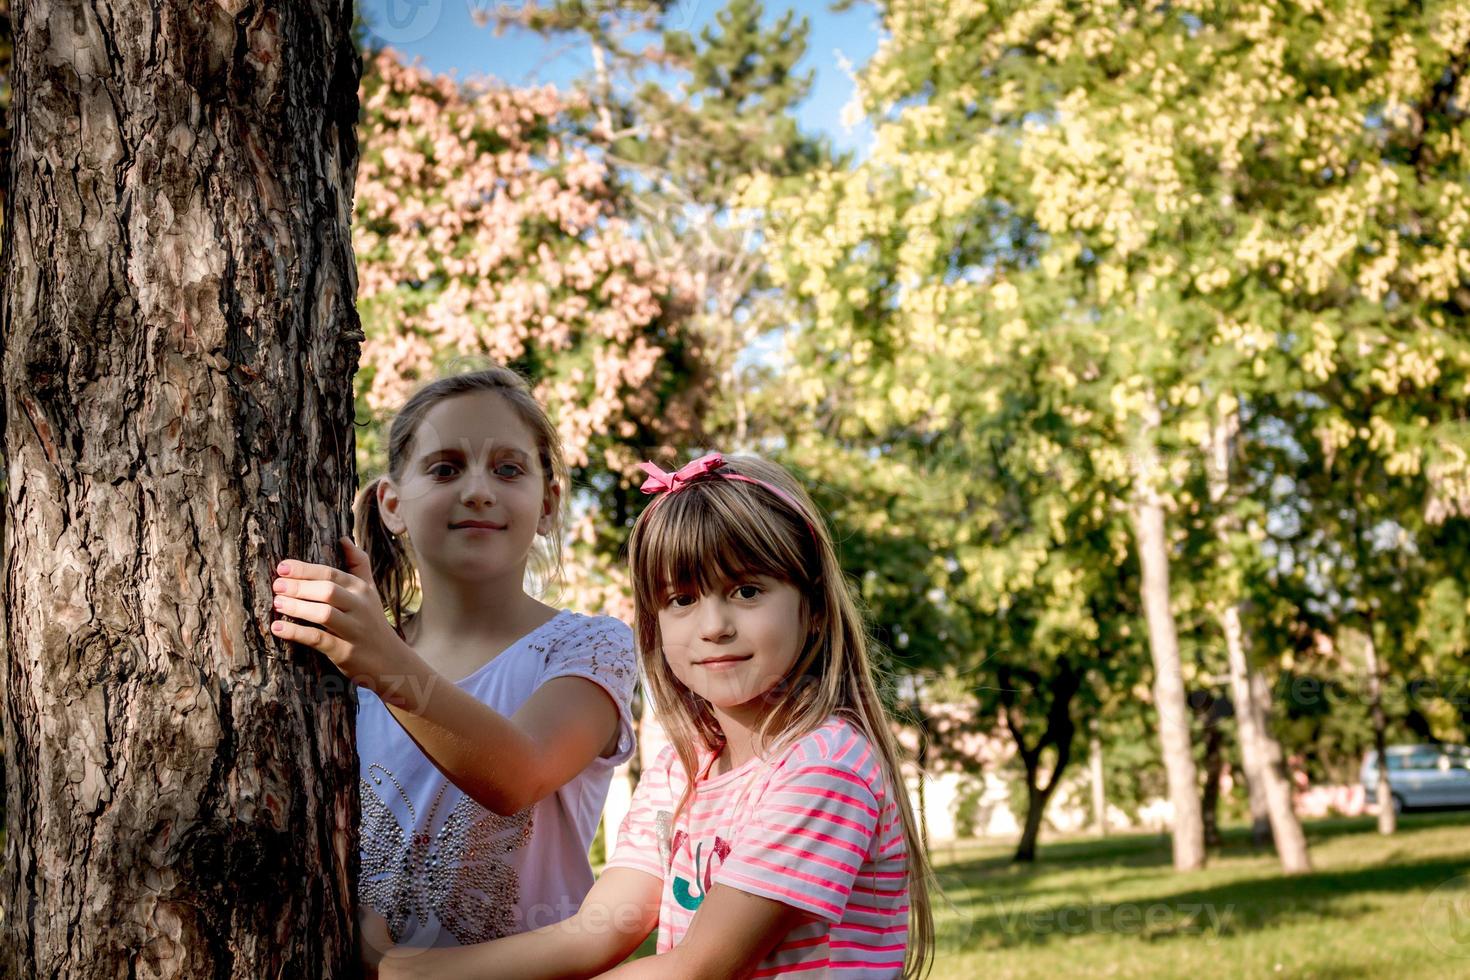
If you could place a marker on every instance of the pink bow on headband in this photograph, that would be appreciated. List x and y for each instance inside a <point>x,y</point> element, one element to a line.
<point>661,481</point>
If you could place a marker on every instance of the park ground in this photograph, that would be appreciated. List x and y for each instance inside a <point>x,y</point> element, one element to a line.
<point>1374,906</point>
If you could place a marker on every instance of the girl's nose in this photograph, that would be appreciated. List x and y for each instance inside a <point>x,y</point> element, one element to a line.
<point>715,622</point>
<point>478,489</point>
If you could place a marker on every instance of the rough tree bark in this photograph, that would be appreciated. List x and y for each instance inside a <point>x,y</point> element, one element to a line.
<point>179,338</point>
<point>1169,700</point>
<point>1260,752</point>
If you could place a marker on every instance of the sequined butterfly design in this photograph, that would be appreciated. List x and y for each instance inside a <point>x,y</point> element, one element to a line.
<point>689,894</point>
<point>452,874</point>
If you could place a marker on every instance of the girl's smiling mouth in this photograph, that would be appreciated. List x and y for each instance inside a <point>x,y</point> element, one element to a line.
<point>730,660</point>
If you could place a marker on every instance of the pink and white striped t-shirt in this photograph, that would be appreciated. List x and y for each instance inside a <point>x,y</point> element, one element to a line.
<point>815,827</point>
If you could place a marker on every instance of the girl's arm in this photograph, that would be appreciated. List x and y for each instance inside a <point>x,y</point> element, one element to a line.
<point>507,764</point>
<point>617,914</point>
<point>504,764</point>
<point>729,936</point>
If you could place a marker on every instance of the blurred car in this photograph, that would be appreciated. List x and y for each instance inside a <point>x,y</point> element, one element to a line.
<point>1421,776</point>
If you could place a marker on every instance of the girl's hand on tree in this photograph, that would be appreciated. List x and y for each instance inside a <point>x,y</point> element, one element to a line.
<point>350,629</point>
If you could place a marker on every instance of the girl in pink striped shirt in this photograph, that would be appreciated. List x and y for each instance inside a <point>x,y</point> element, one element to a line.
<point>774,835</point>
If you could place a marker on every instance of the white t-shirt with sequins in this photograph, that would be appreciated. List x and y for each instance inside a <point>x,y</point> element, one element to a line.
<point>442,869</point>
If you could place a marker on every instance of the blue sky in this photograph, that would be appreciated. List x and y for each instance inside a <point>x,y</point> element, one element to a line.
<point>444,35</point>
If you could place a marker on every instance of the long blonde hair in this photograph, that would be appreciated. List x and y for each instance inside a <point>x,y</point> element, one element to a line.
<point>716,531</point>
<point>394,572</point>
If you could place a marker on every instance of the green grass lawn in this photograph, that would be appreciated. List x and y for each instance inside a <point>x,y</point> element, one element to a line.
<point>1115,907</point>
<point>1374,907</point>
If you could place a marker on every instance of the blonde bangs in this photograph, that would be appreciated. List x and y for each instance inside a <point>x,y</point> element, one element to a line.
<point>711,536</point>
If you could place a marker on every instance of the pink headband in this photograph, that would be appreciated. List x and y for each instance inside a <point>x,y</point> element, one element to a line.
<point>660,481</point>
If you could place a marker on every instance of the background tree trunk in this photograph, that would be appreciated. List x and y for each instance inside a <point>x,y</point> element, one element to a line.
<point>1286,826</point>
<point>1056,693</point>
<point>1099,787</point>
<point>1251,733</point>
<point>179,342</point>
<point>1388,821</point>
<point>1256,800</point>
<point>1210,795</point>
<point>1260,752</point>
<point>1169,700</point>
<point>1210,711</point>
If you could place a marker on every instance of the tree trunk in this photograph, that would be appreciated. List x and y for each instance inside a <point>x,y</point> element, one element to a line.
<point>1260,752</point>
<point>1169,701</point>
<point>1210,797</point>
<point>1387,818</point>
<point>1099,788</point>
<point>604,87</point>
<point>1260,810</point>
<point>1217,466</point>
<point>1036,800</point>
<point>1060,730</point>
<point>1210,713</point>
<point>179,342</point>
<point>1286,827</point>
<point>1249,736</point>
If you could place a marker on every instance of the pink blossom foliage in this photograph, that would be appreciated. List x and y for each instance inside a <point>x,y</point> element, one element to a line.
<point>487,224</point>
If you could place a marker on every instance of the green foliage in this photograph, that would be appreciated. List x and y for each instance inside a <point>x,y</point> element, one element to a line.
<point>732,114</point>
<point>1077,215</point>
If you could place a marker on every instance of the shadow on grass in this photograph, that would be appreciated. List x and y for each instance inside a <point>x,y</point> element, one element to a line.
<point>1001,905</point>
<point>1140,850</point>
<point>1133,851</point>
<point>1006,920</point>
<point>1416,820</point>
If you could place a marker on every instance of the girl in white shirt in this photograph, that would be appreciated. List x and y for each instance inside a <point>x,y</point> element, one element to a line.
<point>489,722</point>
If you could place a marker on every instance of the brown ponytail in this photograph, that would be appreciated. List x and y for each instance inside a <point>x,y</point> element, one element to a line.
<point>393,570</point>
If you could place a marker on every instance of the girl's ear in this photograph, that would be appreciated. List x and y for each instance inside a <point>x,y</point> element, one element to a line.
<point>388,504</point>
<point>550,505</point>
